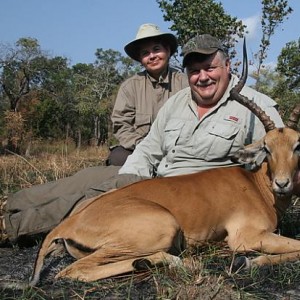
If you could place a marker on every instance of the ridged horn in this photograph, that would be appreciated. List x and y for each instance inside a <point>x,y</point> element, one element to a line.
<point>235,95</point>
<point>294,118</point>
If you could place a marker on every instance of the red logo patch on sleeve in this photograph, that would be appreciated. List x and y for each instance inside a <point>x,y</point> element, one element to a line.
<point>233,118</point>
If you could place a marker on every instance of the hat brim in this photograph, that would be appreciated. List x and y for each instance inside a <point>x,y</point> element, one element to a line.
<point>206,51</point>
<point>131,48</point>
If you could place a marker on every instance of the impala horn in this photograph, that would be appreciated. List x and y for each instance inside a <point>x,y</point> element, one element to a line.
<point>235,95</point>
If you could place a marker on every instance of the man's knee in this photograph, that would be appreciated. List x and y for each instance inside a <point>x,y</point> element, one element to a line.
<point>118,156</point>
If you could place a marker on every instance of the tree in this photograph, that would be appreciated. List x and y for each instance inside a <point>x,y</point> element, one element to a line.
<point>273,14</point>
<point>192,17</point>
<point>48,98</point>
<point>268,82</point>
<point>39,91</point>
<point>56,105</point>
<point>276,83</point>
<point>19,71</point>
<point>94,85</point>
<point>20,66</point>
<point>288,65</point>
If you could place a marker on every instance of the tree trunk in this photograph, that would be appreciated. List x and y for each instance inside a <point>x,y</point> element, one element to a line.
<point>78,140</point>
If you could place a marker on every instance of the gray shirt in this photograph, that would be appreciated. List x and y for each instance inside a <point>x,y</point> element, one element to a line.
<point>180,143</point>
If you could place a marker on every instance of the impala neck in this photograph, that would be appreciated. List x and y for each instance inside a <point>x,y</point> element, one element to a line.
<point>262,177</point>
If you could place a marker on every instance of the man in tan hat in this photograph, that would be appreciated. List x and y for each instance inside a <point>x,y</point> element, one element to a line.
<point>138,101</point>
<point>141,96</point>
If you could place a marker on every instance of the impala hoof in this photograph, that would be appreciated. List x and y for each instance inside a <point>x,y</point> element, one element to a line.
<point>240,263</point>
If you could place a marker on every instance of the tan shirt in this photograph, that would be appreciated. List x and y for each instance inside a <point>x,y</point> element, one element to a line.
<point>138,101</point>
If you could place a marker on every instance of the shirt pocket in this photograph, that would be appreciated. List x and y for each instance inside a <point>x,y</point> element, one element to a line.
<point>142,124</point>
<point>221,137</point>
<point>172,133</point>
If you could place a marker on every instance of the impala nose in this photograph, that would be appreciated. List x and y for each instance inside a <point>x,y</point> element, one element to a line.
<point>282,183</point>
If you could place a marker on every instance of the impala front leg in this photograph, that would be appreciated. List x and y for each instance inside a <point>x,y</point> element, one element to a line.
<point>284,250</point>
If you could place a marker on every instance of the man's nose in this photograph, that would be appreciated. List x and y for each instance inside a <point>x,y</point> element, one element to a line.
<point>202,75</point>
<point>152,54</point>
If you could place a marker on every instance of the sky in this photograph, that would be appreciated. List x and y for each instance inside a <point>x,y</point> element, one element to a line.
<point>76,28</point>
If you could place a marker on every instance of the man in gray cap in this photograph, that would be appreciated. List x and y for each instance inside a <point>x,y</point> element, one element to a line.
<point>198,128</point>
<point>141,96</point>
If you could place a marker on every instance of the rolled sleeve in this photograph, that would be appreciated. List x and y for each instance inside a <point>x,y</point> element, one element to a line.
<point>148,153</point>
<point>123,118</point>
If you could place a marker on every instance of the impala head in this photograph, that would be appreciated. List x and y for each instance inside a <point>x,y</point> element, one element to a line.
<point>280,147</point>
<point>282,150</point>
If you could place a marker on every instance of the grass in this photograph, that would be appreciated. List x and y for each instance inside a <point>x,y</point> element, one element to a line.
<point>205,274</point>
<point>18,172</point>
<point>197,279</point>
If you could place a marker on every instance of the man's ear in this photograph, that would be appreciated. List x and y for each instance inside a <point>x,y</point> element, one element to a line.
<point>227,64</point>
<point>253,154</point>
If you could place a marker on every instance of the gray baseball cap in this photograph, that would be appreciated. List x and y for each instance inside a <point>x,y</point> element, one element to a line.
<point>202,44</point>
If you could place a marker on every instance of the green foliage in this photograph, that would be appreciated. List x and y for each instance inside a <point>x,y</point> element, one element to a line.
<point>287,102</point>
<point>283,85</point>
<point>273,14</point>
<point>94,84</point>
<point>48,121</point>
<point>274,84</point>
<point>268,81</point>
<point>57,100</point>
<point>28,47</point>
<point>289,65</point>
<point>192,17</point>
<point>20,70</point>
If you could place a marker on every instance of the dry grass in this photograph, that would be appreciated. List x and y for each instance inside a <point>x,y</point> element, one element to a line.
<point>18,172</point>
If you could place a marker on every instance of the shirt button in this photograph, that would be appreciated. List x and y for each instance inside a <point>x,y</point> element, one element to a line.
<point>173,151</point>
<point>166,166</point>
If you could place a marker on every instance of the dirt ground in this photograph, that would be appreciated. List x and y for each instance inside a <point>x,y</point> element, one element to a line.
<point>16,265</point>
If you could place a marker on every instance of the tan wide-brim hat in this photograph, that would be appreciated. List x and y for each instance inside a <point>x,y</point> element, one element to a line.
<point>148,31</point>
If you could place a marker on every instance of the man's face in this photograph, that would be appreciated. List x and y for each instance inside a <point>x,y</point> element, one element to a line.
<point>208,78</point>
<point>154,57</point>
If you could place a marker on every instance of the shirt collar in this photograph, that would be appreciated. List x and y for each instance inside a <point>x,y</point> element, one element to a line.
<point>161,78</point>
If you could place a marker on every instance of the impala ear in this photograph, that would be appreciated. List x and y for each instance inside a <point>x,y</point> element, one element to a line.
<point>253,154</point>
